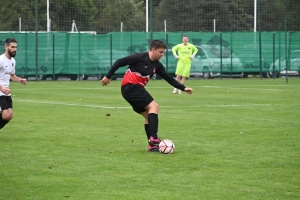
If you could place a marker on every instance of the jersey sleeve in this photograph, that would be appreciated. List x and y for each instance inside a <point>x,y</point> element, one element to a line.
<point>195,50</point>
<point>161,71</point>
<point>122,62</point>
<point>117,64</point>
<point>14,68</point>
<point>174,49</point>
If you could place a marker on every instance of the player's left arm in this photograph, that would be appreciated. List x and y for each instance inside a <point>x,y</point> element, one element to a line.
<point>161,71</point>
<point>15,78</point>
<point>172,81</point>
<point>194,51</point>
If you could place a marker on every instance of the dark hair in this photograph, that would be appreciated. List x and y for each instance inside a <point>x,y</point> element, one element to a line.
<point>10,40</point>
<point>185,36</point>
<point>156,44</point>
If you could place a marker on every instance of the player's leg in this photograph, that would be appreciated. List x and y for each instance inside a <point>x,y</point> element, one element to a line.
<point>2,122</point>
<point>174,91</point>
<point>178,77</point>
<point>152,110</point>
<point>151,148</point>
<point>179,71</point>
<point>151,117</point>
<point>143,103</point>
<point>6,113</point>
<point>146,124</point>
<point>185,74</point>
<point>183,78</point>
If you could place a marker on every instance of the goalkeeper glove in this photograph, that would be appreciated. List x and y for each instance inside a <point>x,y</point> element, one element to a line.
<point>177,57</point>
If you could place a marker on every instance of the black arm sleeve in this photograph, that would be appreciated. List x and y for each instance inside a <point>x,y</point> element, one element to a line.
<point>164,74</point>
<point>119,63</point>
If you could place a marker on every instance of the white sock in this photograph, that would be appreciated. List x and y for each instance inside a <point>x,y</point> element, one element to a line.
<point>179,91</point>
<point>175,90</point>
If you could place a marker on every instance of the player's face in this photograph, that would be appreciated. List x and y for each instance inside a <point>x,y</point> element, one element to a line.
<point>12,49</point>
<point>158,53</point>
<point>185,40</point>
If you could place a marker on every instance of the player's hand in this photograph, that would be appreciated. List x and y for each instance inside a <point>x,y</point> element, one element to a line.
<point>177,57</point>
<point>105,81</point>
<point>23,81</point>
<point>5,90</point>
<point>192,57</point>
<point>188,90</point>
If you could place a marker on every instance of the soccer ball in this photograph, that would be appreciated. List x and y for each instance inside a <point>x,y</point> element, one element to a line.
<point>166,146</point>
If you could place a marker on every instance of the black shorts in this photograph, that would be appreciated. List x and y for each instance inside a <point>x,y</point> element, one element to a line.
<point>137,96</point>
<point>5,102</point>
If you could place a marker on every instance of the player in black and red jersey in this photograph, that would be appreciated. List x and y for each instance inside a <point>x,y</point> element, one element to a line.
<point>141,67</point>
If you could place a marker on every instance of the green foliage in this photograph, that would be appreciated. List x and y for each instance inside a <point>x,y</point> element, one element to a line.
<point>11,12</point>
<point>292,13</point>
<point>272,12</point>
<point>130,12</point>
<point>241,15</point>
<point>292,8</point>
<point>64,12</point>
<point>171,11</point>
<point>235,139</point>
<point>189,15</point>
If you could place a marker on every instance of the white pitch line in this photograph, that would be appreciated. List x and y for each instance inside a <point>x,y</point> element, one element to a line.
<point>166,87</point>
<point>126,107</point>
<point>68,104</point>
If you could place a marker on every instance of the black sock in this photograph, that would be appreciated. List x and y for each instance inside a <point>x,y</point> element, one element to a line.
<point>2,122</point>
<point>147,130</point>
<point>153,124</point>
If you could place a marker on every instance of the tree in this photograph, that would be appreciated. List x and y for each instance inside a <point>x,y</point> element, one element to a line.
<point>236,15</point>
<point>198,15</point>
<point>130,12</point>
<point>180,15</point>
<point>187,15</point>
<point>241,15</point>
<point>272,15</point>
<point>63,12</point>
<point>292,10</point>
<point>11,12</point>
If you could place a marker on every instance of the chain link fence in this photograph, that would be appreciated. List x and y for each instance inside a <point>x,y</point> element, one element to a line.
<point>153,15</point>
<point>84,37</point>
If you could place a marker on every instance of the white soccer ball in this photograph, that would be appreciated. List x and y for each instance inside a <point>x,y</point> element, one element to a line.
<point>166,146</point>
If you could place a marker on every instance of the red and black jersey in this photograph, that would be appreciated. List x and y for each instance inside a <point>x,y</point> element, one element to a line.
<point>140,70</point>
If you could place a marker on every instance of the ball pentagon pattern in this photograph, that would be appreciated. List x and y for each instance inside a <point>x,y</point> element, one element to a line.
<point>166,146</point>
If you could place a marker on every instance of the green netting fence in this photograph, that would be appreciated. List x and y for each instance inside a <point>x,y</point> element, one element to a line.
<point>224,54</point>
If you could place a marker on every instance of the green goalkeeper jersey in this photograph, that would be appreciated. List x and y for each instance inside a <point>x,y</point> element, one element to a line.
<point>184,52</point>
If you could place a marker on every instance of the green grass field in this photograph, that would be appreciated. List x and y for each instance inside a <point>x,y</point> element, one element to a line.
<point>235,139</point>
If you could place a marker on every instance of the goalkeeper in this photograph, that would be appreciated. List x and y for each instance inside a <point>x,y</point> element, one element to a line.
<point>185,53</point>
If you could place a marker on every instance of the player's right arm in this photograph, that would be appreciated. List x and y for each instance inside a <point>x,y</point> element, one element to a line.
<point>119,63</point>
<point>4,89</point>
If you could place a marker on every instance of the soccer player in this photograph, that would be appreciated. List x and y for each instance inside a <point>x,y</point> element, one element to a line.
<point>7,73</point>
<point>186,53</point>
<point>141,67</point>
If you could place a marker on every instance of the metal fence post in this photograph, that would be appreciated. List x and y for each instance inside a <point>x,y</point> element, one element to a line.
<point>273,55</point>
<point>36,39</point>
<point>221,55</point>
<point>53,57</point>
